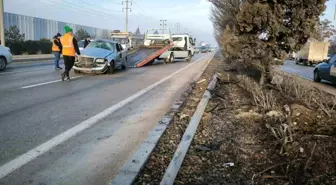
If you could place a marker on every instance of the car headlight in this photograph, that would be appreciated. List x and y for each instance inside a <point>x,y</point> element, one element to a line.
<point>100,61</point>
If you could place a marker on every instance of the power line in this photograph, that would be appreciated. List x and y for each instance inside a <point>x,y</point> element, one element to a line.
<point>143,11</point>
<point>102,7</point>
<point>79,8</point>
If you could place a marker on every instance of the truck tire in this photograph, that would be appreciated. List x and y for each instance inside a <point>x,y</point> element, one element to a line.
<point>171,58</point>
<point>305,63</point>
<point>110,69</point>
<point>188,59</point>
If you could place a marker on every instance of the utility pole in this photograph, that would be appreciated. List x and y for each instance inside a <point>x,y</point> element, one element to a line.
<point>177,27</point>
<point>126,9</point>
<point>163,24</point>
<point>2,23</point>
<point>335,13</point>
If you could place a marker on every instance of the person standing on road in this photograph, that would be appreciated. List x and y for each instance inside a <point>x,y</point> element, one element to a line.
<point>57,50</point>
<point>87,41</point>
<point>69,50</point>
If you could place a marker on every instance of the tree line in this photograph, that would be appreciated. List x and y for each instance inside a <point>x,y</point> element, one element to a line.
<point>15,40</point>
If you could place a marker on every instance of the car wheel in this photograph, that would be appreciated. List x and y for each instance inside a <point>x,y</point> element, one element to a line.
<point>110,69</point>
<point>3,63</point>
<point>305,63</point>
<point>317,77</point>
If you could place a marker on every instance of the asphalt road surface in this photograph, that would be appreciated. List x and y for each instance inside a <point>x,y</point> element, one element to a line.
<point>307,72</point>
<point>81,132</point>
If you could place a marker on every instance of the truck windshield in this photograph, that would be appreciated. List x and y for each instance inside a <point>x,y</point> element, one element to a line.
<point>120,40</point>
<point>101,44</point>
<point>158,31</point>
<point>177,38</point>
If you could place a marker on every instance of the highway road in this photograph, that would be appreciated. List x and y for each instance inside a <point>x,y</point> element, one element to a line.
<point>307,72</point>
<point>81,132</point>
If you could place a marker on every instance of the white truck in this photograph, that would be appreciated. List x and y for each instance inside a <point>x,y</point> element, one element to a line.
<point>184,47</point>
<point>123,38</point>
<point>312,53</point>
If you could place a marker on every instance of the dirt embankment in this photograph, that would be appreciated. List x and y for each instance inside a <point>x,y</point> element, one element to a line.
<point>251,135</point>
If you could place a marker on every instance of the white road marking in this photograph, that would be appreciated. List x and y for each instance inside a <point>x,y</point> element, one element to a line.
<point>23,71</point>
<point>45,83</point>
<point>48,145</point>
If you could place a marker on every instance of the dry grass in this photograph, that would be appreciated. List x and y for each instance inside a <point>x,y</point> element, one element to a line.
<point>294,87</point>
<point>262,98</point>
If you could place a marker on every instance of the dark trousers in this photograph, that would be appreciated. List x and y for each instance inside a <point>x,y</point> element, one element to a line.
<point>69,62</point>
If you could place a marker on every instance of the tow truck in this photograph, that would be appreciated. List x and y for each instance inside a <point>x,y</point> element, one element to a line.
<point>156,46</point>
<point>184,47</point>
<point>123,38</point>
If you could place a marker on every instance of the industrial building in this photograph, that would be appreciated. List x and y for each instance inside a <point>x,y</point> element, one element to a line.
<point>36,28</point>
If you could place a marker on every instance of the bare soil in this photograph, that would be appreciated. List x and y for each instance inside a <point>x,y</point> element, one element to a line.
<point>235,145</point>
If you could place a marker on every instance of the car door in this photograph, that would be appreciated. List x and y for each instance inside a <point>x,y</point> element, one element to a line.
<point>325,69</point>
<point>119,55</point>
<point>332,72</point>
<point>123,52</point>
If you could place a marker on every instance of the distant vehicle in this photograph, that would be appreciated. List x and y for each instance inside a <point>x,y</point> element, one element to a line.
<point>313,53</point>
<point>326,71</point>
<point>5,57</point>
<point>81,44</point>
<point>123,38</point>
<point>197,49</point>
<point>101,56</point>
<point>204,49</point>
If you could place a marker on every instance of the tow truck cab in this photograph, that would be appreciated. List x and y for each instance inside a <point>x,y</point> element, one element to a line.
<point>184,46</point>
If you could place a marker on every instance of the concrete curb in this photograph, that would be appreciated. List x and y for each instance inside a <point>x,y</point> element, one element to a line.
<point>132,167</point>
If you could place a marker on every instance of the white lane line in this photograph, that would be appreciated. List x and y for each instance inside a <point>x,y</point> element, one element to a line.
<point>45,83</point>
<point>41,149</point>
<point>23,71</point>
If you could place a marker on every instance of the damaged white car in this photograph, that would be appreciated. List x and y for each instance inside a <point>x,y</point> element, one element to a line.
<point>101,56</point>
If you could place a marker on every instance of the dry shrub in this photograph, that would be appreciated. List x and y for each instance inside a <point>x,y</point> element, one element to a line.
<point>297,88</point>
<point>262,98</point>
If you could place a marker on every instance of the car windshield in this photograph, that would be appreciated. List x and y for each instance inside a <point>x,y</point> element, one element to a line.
<point>101,44</point>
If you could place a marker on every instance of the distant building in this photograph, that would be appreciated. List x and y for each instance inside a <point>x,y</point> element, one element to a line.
<point>36,28</point>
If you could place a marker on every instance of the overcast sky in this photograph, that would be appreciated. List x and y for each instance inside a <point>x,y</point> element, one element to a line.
<point>193,15</point>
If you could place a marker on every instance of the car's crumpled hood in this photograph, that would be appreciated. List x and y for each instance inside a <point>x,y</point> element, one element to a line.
<point>96,52</point>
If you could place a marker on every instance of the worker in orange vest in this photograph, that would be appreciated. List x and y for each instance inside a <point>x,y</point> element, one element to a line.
<point>57,50</point>
<point>69,50</point>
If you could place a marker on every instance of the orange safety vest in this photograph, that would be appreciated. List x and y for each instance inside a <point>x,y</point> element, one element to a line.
<point>54,46</point>
<point>68,48</point>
